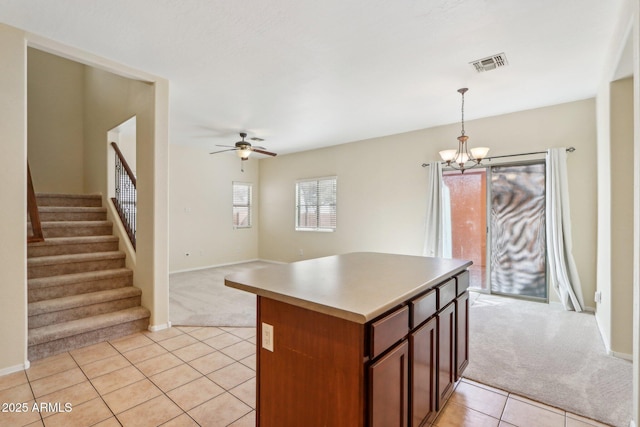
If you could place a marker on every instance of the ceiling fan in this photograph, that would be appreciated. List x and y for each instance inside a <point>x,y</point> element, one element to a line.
<point>244,148</point>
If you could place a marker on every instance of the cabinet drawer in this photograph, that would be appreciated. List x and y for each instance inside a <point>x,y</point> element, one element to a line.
<point>446,293</point>
<point>423,307</point>
<point>462,282</point>
<point>389,330</point>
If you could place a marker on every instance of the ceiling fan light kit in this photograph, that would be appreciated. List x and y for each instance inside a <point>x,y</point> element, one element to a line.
<point>244,148</point>
<point>458,159</point>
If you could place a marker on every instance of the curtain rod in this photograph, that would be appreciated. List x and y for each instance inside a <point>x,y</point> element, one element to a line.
<point>569,150</point>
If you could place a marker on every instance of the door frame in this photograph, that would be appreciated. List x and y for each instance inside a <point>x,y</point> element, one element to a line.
<point>488,167</point>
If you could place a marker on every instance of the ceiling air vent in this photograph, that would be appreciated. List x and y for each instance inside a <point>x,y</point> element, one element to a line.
<point>490,63</point>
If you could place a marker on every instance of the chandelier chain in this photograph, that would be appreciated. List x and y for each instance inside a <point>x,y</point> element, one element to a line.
<point>462,108</point>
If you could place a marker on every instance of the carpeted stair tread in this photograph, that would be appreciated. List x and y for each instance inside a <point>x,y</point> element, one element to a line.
<point>68,279</point>
<point>57,265</point>
<point>80,326</point>
<point>56,199</point>
<point>51,287</point>
<point>71,258</point>
<point>65,303</point>
<point>79,291</point>
<point>75,228</point>
<point>72,245</point>
<point>71,209</point>
<point>72,213</point>
<point>75,224</point>
<point>52,241</point>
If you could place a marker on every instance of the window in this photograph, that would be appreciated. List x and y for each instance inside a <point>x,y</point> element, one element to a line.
<point>241,205</point>
<point>316,204</point>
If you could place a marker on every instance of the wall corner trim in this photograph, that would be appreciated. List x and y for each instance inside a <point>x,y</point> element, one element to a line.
<point>162,326</point>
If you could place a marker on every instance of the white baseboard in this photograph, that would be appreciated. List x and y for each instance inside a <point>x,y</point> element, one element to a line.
<point>16,368</point>
<point>217,265</point>
<point>603,337</point>
<point>607,349</point>
<point>156,328</point>
<point>272,261</point>
<point>624,356</point>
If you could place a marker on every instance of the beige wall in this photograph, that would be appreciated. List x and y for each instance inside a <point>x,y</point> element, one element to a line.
<point>13,190</point>
<point>109,100</point>
<point>55,105</point>
<point>612,100</point>
<point>621,215</point>
<point>382,186</point>
<point>615,258</point>
<point>200,210</point>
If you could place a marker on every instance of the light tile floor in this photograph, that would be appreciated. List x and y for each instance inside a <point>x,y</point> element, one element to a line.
<point>191,376</point>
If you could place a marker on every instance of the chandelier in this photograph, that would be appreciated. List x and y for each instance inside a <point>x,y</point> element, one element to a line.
<point>463,158</point>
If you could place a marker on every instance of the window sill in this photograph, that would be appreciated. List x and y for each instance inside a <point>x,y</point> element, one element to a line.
<point>319,230</point>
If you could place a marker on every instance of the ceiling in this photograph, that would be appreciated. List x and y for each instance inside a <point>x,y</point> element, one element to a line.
<point>306,74</point>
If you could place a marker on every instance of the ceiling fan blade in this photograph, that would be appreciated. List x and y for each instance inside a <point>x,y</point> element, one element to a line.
<point>228,146</point>
<point>268,153</point>
<point>222,151</point>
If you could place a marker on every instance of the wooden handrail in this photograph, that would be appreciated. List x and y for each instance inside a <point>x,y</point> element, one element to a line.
<point>32,207</point>
<point>124,163</point>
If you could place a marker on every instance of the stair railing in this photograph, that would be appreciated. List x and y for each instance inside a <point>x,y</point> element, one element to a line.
<point>126,197</point>
<point>32,209</point>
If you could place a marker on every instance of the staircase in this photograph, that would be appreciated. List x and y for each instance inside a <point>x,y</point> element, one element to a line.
<point>79,291</point>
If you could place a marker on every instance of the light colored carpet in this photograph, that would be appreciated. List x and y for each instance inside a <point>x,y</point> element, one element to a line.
<point>550,355</point>
<point>200,298</point>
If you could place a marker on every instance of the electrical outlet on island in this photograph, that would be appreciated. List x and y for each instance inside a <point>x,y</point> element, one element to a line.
<point>267,336</point>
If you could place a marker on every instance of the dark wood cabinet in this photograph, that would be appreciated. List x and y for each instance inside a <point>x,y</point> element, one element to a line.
<point>462,333</point>
<point>396,368</point>
<point>438,353</point>
<point>389,389</point>
<point>423,344</point>
<point>446,353</point>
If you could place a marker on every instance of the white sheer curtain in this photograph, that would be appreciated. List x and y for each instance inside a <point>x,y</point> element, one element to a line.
<point>437,241</point>
<point>563,274</point>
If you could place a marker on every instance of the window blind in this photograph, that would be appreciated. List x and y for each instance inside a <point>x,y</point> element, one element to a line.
<point>316,204</point>
<point>241,205</point>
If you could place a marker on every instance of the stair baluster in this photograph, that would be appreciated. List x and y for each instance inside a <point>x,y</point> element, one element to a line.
<point>126,199</point>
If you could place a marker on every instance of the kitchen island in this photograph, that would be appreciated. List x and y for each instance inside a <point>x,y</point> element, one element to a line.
<point>360,339</point>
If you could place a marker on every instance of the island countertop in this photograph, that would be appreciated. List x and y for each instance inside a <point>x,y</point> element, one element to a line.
<point>356,286</point>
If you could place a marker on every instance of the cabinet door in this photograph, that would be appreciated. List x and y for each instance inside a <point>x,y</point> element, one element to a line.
<point>446,352</point>
<point>462,333</point>
<point>424,345</point>
<point>389,389</point>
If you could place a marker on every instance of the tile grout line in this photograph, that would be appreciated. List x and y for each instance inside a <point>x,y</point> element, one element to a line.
<point>187,363</point>
<point>241,338</point>
<point>94,387</point>
<point>519,398</point>
<point>236,361</point>
<point>35,400</point>
<point>151,381</point>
